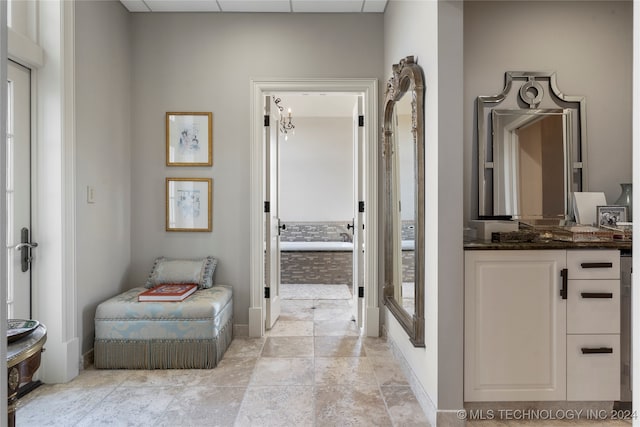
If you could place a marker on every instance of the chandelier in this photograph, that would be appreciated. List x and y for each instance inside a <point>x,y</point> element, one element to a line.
<point>286,126</point>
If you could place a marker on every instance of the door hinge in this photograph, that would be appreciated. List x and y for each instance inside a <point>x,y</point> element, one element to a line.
<point>267,292</point>
<point>361,206</point>
<point>267,207</point>
<point>360,291</point>
<point>360,121</point>
<point>266,120</point>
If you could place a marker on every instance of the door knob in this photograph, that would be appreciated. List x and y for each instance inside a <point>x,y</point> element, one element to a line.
<point>25,247</point>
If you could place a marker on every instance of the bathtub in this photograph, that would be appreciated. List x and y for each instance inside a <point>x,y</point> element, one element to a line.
<point>316,246</point>
<point>316,262</point>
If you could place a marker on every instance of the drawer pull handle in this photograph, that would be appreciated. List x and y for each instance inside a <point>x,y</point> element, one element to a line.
<point>596,294</point>
<point>599,350</point>
<point>565,283</point>
<point>596,265</point>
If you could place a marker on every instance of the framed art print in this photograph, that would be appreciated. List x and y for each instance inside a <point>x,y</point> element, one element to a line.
<point>189,139</point>
<point>189,202</point>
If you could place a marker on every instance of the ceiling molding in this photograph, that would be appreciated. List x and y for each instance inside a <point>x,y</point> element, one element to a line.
<point>135,5</point>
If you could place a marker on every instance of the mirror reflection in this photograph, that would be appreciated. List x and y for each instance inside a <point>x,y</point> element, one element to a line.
<point>403,153</point>
<point>405,172</point>
<point>531,145</point>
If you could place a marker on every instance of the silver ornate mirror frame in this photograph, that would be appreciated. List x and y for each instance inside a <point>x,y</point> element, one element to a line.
<point>406,80</point>
<point>530,98</point>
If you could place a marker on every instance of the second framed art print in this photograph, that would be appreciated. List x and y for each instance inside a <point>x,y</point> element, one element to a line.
<point>189,139</point>
<point>189,203</point>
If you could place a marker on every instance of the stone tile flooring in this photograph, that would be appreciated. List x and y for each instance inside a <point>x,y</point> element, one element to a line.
<point>311,369</point>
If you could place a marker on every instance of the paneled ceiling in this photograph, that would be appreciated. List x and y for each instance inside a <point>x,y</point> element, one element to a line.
<point>301,6</point>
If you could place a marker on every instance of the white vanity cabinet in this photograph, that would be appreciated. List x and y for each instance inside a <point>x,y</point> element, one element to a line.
<point>541,325</point>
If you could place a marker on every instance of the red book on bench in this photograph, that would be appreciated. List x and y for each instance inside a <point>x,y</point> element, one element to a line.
<point>168,292</point>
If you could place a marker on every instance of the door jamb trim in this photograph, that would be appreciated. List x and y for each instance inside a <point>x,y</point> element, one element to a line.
<point>262,87</point>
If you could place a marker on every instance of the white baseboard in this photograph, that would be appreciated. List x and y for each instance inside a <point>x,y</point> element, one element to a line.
<point>60,365</point>
<point>421,395</point>
<point>256,322</point>
<point>372,326</point>
<point>436,417</point>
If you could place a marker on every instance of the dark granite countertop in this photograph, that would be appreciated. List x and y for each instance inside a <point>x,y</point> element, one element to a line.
<point>546,244</point>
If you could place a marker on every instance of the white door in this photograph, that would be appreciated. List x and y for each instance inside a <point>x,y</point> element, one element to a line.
<point>272,216</point>
<point>358,212</point>
<point>18,192</point>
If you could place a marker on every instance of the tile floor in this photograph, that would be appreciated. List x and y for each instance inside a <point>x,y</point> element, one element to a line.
<point>311,369</point>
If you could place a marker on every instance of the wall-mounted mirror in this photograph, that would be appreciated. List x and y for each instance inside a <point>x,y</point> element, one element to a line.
<point>403,152</point>
<point>531,149</point>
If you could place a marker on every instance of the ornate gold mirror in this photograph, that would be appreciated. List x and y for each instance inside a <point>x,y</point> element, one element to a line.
<point>403,152</point>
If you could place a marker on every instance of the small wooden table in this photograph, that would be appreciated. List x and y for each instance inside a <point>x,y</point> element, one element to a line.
<point>23,360</point>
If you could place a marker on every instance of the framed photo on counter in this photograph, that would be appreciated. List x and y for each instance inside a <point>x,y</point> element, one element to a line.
<point>610,216</point>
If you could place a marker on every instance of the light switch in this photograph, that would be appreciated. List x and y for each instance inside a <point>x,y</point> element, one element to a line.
<point>91,194</point>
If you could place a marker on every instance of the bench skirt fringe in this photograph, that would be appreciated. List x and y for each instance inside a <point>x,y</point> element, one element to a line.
<point>163,353</point>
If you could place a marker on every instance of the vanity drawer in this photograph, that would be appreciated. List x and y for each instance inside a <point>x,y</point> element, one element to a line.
<point>593,367</point>
<point>593,307</point>
<point>593,264</point>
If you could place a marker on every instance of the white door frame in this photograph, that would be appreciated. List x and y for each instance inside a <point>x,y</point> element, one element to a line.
<point>3,170</point>
<point>262,87</point>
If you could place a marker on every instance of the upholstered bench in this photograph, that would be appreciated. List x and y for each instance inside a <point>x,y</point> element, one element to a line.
<point>189,334</point>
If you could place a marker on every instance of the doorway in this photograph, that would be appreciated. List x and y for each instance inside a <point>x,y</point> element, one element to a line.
<point>265,296</point>
<point>18,192</point>
<point>319,187</point>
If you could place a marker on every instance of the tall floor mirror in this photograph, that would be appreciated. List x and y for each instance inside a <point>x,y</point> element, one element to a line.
<point>403,154</point>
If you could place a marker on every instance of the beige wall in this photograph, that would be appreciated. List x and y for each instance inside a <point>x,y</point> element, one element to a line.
<point>103,150</point>
<point>530,169</point>
<point>553,170</point>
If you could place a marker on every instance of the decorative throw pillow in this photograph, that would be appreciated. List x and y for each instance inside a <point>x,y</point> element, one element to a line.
<point>171,270</point>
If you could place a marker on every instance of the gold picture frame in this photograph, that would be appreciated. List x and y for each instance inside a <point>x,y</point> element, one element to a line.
<point>189,203</point>
<point>189,139</point>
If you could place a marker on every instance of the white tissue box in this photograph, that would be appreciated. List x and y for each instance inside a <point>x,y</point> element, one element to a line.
<point>486,227</point>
